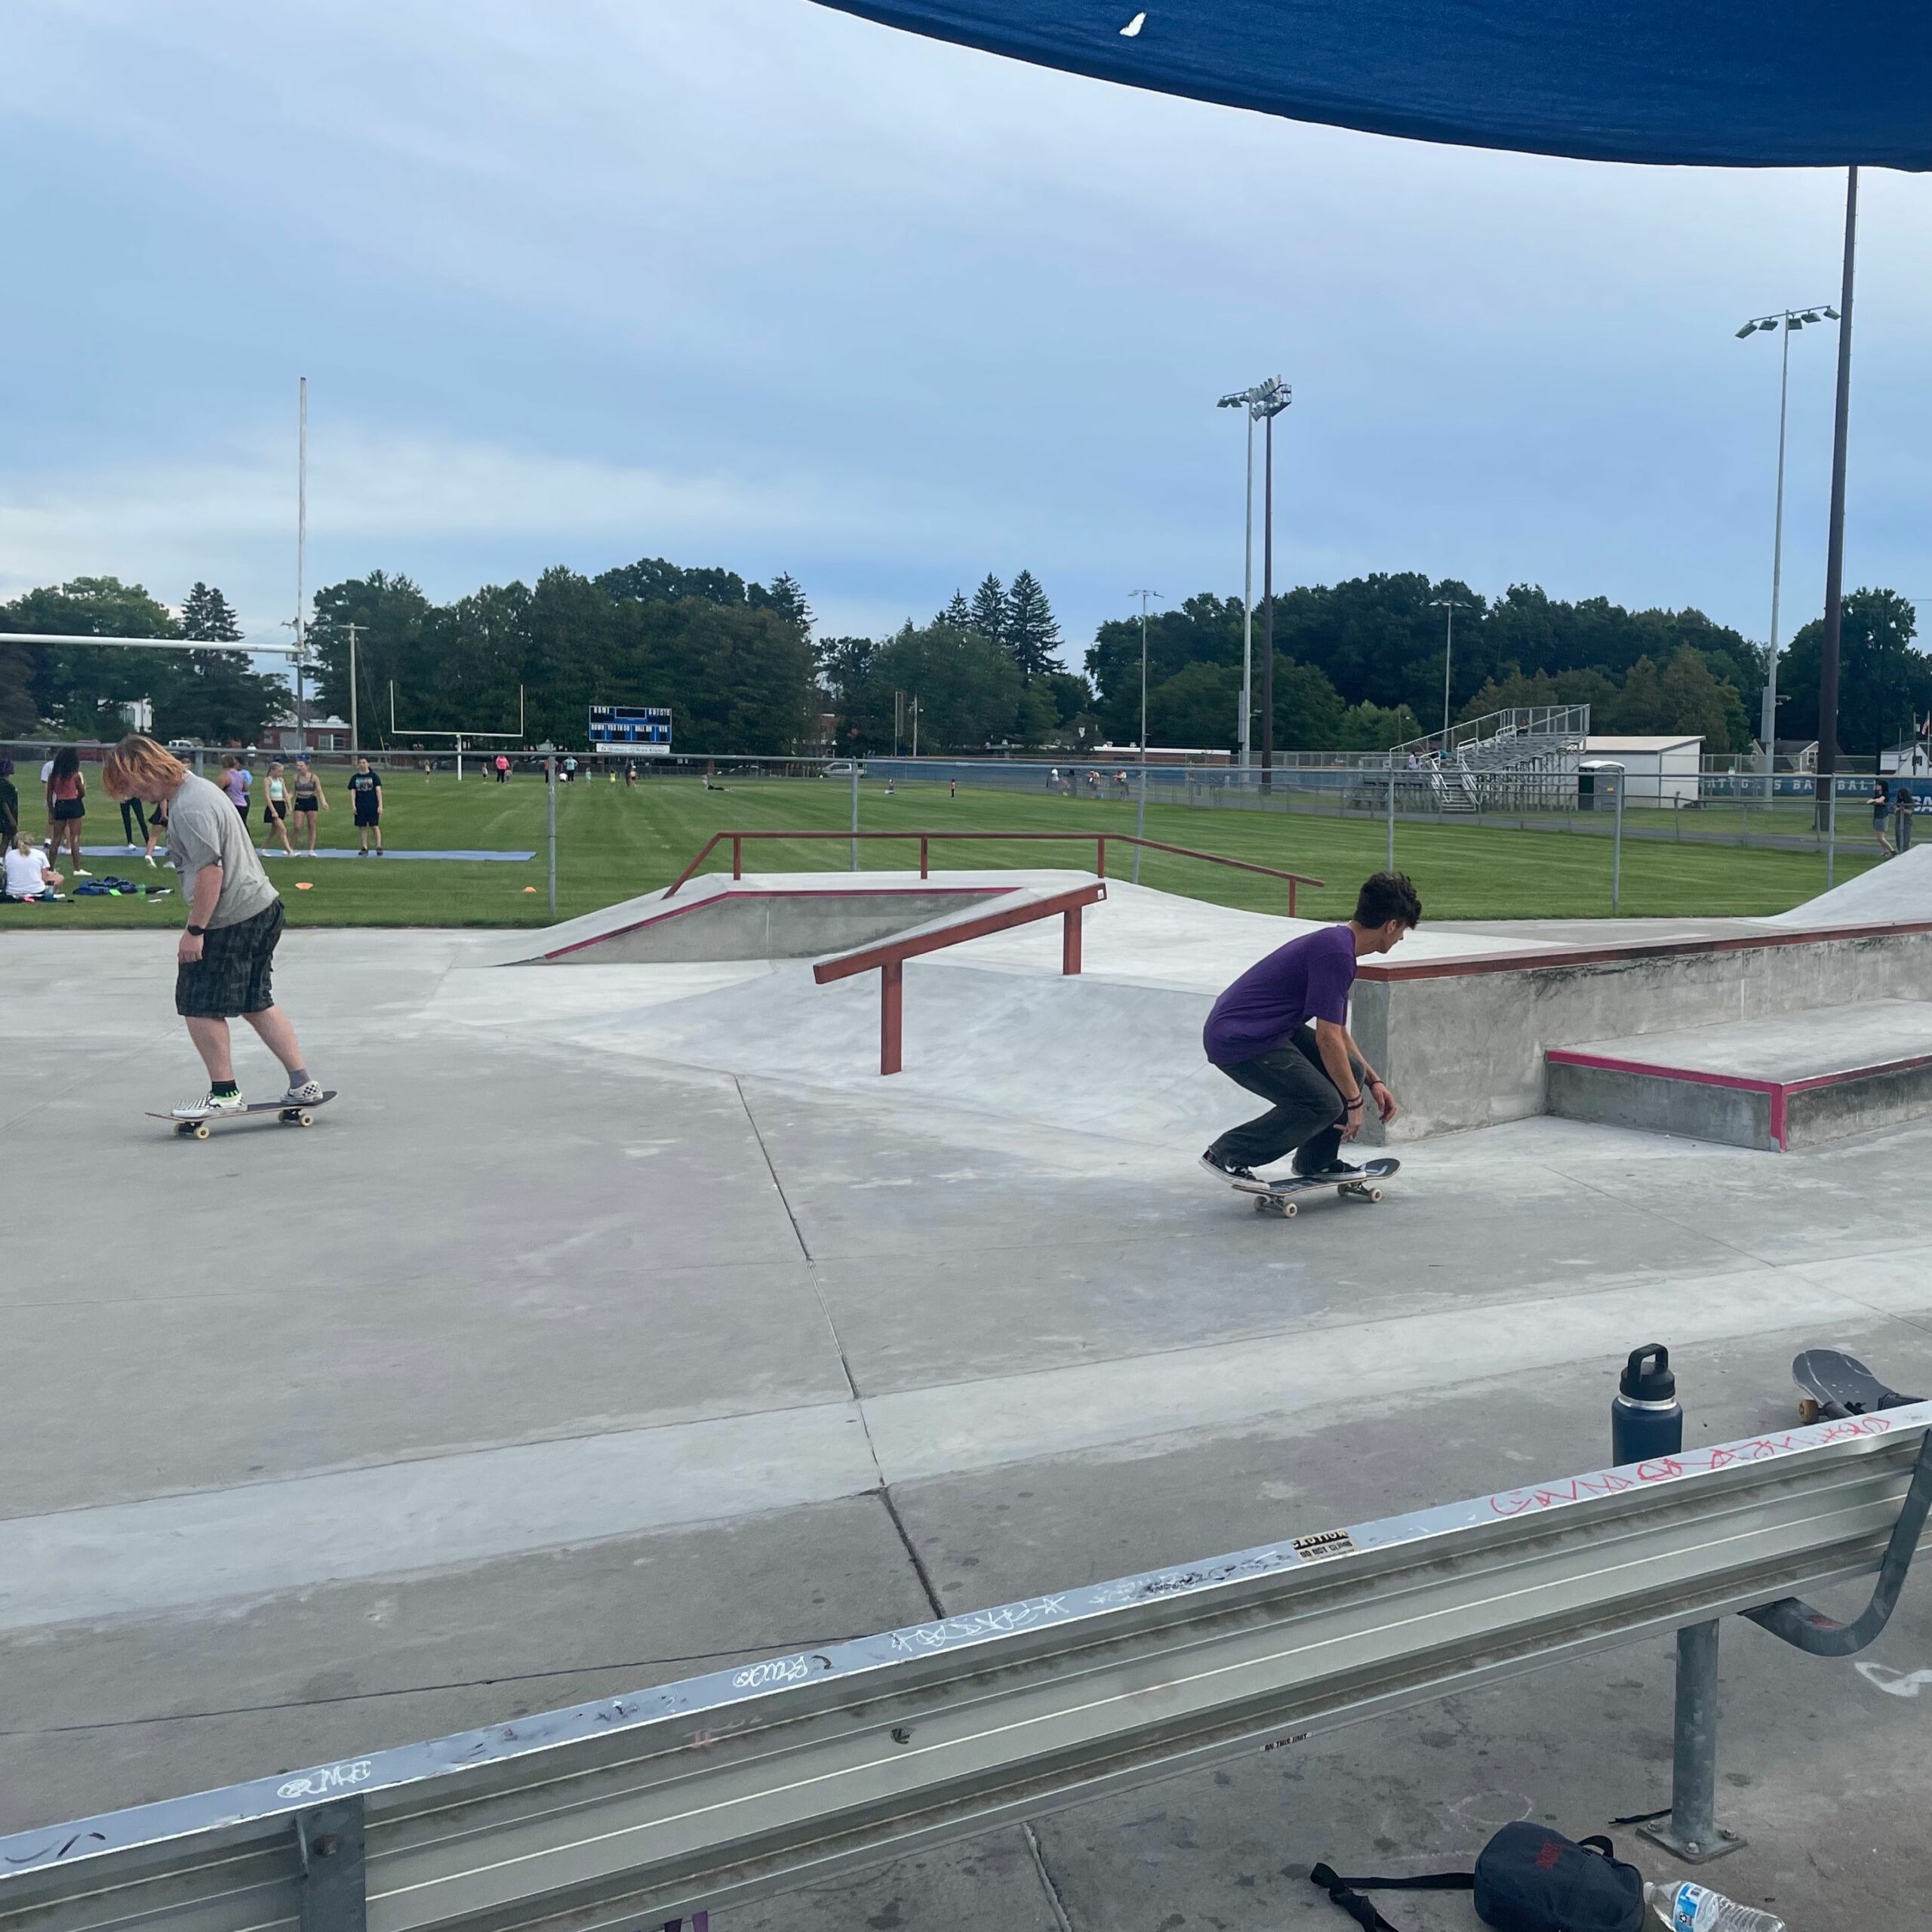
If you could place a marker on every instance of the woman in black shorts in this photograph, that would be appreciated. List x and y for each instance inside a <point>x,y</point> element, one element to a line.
<point>66,806</point>
<point>309,800</point>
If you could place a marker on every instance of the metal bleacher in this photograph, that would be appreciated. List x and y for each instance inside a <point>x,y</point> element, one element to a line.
<point>1523,759</point>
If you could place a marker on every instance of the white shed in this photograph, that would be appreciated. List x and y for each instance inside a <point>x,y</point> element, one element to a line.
<point>1658,771</point>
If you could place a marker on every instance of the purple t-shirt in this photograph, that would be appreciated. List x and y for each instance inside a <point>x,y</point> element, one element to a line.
<point>1307,978</point>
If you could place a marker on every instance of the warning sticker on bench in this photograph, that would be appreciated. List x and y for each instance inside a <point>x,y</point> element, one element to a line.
<point>1330,1542</point>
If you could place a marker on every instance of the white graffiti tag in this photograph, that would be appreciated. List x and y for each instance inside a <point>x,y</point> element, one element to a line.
<point>330,1778</point>
<point>1893,1683</point>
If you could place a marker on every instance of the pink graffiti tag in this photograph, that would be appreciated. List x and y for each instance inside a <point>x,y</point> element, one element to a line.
<point>1699,1462</point>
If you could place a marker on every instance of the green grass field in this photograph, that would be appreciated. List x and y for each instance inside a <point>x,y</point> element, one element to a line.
<point>612,844</point>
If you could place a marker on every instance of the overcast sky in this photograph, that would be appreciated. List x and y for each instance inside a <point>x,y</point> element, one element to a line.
<point>750,283</point>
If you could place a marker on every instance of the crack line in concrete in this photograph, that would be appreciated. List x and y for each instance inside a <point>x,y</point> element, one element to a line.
<point>1055,1902</point>
<point>864,1422</point>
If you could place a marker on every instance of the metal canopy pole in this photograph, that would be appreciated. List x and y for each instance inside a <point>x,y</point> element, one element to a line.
<point>1828,667</point>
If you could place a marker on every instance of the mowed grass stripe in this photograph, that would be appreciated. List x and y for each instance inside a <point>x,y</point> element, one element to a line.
<point>612,844</point>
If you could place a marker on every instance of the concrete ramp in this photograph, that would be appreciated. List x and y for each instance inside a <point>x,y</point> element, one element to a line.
<point>782,916</point>
<point>1899,891</point>
<point>1770,1084</point>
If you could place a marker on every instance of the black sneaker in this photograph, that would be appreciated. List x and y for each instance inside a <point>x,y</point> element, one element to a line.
<point>1228,1170</point>
<point>1336,1170</point>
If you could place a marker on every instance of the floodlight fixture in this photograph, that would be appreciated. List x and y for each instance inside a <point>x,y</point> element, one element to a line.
<point>1792,320</point>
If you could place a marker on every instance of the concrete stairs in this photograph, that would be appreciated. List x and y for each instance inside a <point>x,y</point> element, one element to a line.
<point>1777,1084</point>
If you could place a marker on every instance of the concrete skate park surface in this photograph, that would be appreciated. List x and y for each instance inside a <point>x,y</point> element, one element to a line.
<point>559,1358</point>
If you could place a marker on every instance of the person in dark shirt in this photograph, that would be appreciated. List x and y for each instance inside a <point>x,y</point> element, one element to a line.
<point>365,793</point>
<point>1282,1030</point>
<point>10,804</point>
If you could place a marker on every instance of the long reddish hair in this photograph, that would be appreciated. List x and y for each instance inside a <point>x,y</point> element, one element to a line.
<point>138,767</point>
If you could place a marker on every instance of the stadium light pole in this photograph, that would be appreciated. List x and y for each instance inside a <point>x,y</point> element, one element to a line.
<point>1787,322</point>
<point>1451,605</point>
<point>1252,401</point>
<point>301,553</point>
<point>1140,812</point>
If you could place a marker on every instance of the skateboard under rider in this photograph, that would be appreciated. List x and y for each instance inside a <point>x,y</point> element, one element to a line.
<point>303,1115</point>
<point>1278,1197</point>
<point>1833,1384</point>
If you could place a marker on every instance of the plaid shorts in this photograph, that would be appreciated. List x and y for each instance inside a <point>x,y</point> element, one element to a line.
<point>233,975</point>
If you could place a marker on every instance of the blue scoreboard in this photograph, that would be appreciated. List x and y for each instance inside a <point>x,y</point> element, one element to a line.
<point>644,727</point>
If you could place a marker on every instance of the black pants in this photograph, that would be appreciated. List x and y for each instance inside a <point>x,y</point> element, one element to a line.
<point>1305,1118</point>
<point>134,823</point>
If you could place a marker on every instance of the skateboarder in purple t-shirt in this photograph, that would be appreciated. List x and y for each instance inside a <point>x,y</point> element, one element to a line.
<point>1259,1035</point>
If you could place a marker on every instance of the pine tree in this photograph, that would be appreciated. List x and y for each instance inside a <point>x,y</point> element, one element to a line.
<point>1033,632</point>
<point>958,615</point>
<point>787,598</point>
<point>988,610</point>
<point>206,613</point>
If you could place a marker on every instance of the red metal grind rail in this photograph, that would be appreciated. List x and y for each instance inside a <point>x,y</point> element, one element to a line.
<point>926,839</point>
<point>889,956</point>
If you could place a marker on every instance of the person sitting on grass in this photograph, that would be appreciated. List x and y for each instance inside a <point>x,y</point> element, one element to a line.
<point>28,876</point>
<point>1282,1030</point>
<point>365,789</point>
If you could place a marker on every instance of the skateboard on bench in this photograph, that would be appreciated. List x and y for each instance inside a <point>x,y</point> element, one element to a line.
<point>1278,1197</point>
<point>1833,1385</point>
<point>303,1115</point>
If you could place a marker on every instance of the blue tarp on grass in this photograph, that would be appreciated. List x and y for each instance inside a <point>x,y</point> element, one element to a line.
<point>1723,83</point>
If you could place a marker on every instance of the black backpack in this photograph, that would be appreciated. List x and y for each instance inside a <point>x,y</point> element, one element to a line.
<point>1528,1878</point>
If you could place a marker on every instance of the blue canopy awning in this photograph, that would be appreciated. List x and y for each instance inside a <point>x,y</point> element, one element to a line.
<point>1709,83</point>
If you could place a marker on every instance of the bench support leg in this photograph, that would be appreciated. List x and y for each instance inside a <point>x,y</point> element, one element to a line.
<point>1692,1832</point>
<point>1069,941</point>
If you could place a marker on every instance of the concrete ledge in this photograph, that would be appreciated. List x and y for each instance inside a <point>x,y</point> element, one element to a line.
<point>1466,1043</point>
<point>1773,1085</point>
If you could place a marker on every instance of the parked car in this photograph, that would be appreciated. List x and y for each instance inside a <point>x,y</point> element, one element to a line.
<point>842,767</point>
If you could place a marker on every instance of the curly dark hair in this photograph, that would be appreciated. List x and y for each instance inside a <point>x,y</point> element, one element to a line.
<point>1385,896</point>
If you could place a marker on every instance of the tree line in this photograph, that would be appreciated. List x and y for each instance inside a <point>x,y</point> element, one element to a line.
<point>1359,667</point>
<point>75,691</point>
<point>983,672</point>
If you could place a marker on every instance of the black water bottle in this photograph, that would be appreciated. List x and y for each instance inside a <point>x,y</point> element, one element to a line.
<point>1646,1420</point>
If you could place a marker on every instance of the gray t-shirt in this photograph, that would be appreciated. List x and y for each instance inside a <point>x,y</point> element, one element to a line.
<point>204,829</point>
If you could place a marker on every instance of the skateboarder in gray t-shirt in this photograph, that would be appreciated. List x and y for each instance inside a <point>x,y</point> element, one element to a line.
<point>226,956</point>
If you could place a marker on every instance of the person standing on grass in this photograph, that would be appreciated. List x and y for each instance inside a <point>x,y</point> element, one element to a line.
<point>1904,804</point>
<point>226,957</point>
<point>157,825</point>
<point>275,810</point>
<point>365,790</point>
<point>503,769</point>
<point>309,800</point>
<point>1282,1030</point>
<point>10,804</point>
<point>66,805</point>
<point>1881,805</point>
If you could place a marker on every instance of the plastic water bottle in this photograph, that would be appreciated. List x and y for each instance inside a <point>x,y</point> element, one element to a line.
<point>1646,1420</point>
<point>1688,1908</point>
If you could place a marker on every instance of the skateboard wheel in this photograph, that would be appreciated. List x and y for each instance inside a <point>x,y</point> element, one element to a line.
<point>305,1119</point>
<point>1372,1193</point>
<point>201,1130</point>
<point>1807,1408</point>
